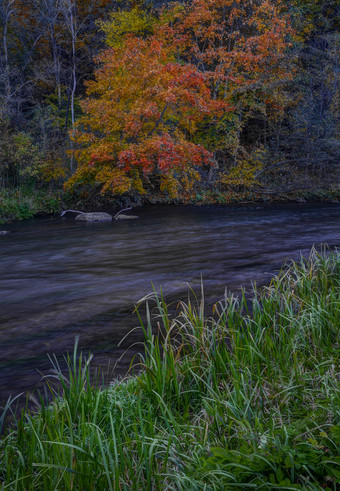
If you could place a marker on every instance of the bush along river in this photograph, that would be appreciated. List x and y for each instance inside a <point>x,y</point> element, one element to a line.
<point>60,278</point>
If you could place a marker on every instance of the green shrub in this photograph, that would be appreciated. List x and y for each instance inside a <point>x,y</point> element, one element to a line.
<point>20,204</point>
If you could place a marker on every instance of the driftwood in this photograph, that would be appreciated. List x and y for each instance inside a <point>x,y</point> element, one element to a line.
<point>98,216</point>
<point>121,211</point>
<point>72,211</point>
<point>89,217</point>
<point>118,215</point>
<point>94,217</point>
<point>126,217</point>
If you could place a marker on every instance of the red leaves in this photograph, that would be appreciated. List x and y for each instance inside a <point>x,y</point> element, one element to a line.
<point>152,97</point>
<point>162,153</point>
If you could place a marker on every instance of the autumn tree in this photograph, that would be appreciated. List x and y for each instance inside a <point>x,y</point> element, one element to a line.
<point>164,108</point>
<point>241,47</point>
<point>140,120</point>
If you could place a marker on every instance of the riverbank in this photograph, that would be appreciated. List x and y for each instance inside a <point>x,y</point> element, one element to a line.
<point>255,196</point>
<point>23,204</point>
<point>246,398</point>
<point>19,204</point>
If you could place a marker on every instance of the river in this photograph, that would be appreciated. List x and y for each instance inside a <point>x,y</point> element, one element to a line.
<point>59,278</point>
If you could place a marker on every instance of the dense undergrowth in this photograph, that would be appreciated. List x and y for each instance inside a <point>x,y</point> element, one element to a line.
<point>247,398</point>
<point>216,197</point>
<point>27,203</point>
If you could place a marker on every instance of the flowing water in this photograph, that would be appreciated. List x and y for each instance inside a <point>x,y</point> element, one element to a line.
<point>60,278</point>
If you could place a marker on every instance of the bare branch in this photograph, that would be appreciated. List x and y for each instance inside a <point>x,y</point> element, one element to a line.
<point>72,211</point>
<point>121,211</point>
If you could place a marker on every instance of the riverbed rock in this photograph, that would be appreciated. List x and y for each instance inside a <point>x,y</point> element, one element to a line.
<point>94,217</point>
<point>125,217</point>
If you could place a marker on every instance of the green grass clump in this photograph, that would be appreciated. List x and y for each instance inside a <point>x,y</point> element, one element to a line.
<point>246,398</point>
<point>18,204</point>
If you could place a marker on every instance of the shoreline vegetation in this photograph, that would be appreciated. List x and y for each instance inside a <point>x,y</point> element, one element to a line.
<point>22,204</point>
<point>247,397</point>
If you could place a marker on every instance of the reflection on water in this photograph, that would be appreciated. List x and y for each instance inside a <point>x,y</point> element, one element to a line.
<point>59,278</point>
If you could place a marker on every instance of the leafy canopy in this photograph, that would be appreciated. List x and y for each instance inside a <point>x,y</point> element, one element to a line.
<point>165,84</point>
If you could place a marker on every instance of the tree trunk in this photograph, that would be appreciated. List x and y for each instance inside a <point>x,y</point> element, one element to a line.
<point>8,10</point>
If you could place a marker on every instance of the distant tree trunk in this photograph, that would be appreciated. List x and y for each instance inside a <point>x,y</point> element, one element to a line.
<point>73,30</point>
<point>56,63</point>
<point>70,14</point>
<point>6,13</point>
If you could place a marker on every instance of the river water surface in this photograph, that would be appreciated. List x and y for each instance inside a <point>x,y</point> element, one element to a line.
<point>59,278</point>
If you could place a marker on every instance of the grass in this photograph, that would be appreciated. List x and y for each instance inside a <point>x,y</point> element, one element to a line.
<point>18,204</point>
<point>245,398</point>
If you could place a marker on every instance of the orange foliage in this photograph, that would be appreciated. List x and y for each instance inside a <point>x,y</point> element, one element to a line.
<point>151,97</point>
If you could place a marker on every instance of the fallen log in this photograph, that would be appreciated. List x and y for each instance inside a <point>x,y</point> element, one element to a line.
<point>118,215</point>
<point>126,217</point>
<point>82,216</point>
<point>94,217</point>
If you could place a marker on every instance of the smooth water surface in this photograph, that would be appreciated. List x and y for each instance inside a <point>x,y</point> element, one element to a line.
<point>59,278</point>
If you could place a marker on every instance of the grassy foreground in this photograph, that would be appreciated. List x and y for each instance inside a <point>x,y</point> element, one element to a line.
<point>248,398</point>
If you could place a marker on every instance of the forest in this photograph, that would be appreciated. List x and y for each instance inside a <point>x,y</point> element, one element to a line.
<point>191,348</point>
<point>128,102</point>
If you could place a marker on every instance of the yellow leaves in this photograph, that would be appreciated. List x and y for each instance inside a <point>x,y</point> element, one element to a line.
<point>52,169</point>
<point>114,180</point>
<point>243,175</point>
<point>137,184</point>
<point>161,85</point>
<point>180,182</point>
<point>170,185</point>
<point>135,21</point>
<point>189,180</point>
